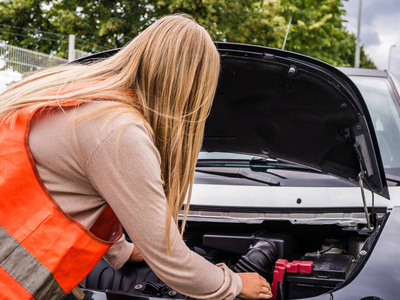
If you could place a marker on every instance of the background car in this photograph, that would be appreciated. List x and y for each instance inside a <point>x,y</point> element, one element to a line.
<point>281,188</point>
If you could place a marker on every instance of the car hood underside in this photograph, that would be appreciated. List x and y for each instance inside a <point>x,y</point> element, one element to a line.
<point>288,106</point>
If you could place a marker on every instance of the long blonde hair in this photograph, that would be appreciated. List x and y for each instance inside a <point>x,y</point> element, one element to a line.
<point>171,68</point>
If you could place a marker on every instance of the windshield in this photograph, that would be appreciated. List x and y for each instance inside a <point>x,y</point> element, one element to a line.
<point>385,113</point>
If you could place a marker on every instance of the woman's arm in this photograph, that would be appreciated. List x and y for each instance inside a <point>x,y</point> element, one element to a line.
<point>125,170</point>
<point>63,156</point>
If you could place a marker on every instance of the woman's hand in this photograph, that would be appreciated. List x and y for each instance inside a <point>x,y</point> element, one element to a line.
<point>135,256</point>
<point>254,286</point>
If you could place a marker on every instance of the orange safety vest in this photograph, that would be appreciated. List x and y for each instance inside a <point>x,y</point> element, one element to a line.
<point>44,253</point>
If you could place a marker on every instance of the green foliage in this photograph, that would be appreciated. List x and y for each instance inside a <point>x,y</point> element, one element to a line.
<point>317,30</point>
<point>316,26</point>
<point>241,21</point>
<point>27,15</point>
<point>45,25</point>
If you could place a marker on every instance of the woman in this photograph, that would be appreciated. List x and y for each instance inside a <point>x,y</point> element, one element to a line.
<point>123,132</point>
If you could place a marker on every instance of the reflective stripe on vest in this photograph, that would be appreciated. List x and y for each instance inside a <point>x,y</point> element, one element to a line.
<point>26,269</point>
<point>44,253</point>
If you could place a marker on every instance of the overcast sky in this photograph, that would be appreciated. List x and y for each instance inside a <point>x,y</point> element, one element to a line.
<point>379,30</point>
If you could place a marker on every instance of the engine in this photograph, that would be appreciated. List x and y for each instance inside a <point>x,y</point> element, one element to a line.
<point>298,261</point>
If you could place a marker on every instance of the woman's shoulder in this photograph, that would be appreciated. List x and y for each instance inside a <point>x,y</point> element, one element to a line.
<point>109,123</point>
<point>103,118</point>
<point>108,111</point>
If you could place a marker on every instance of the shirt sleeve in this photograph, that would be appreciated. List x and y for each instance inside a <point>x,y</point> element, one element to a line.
<point>125,170</point>
<point>119,253</point>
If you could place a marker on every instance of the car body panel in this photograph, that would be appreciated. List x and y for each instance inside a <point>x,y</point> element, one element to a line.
<point>285,197</point>
<point>380,276</point>
<point>341,206</point>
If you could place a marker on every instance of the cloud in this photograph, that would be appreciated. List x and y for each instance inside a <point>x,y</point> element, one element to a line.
<point>388,35</point>
<point>378,31</point>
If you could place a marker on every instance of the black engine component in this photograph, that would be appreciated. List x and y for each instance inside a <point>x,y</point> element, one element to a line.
<point>329,270</point>
<point>260,258</point>
<point>240,243</point>
<point>155,289</point>
<point>135,279</point>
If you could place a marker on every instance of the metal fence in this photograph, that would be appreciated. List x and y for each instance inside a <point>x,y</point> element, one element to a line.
<point>16,61</point>
<point>22,60</point>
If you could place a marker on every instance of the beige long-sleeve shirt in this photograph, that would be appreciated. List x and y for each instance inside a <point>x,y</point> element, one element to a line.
<point>88,163</point>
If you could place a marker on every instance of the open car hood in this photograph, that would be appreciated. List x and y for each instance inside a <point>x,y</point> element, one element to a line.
<point>285,105</point>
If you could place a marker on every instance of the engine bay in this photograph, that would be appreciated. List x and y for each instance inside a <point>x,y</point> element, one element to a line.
<point>298,260</point>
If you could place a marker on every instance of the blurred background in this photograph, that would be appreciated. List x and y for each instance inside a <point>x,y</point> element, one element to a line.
<point>380,35</point>
<point>35,34</point>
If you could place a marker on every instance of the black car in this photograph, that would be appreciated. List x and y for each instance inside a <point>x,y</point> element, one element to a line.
<point>291,182</point>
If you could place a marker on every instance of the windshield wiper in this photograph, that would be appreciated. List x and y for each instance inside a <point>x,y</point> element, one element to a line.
<point>393,179</point>
<point>262,164</point>
<point>241,174</point>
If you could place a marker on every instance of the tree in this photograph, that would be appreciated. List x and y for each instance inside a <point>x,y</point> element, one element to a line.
<point>317,30</point>
<point>19,24</point>
<point>317,26</point>
<point>45,25</point>
<point>241,21</point>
